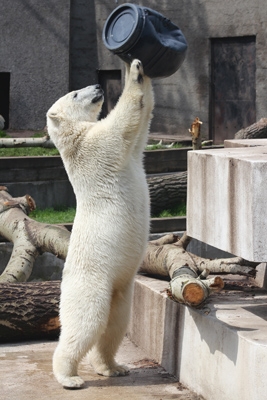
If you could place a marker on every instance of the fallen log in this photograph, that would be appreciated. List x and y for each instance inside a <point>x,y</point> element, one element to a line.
<point>166,190</point>
<point>168,257</point>
<point>254,131</point>
<point>30,238</point>
<point>27,142</point>
<point>29,311</point>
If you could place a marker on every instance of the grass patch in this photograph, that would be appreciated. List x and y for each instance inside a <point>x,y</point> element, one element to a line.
<point>65,215</point>
<point>27,151</point>
<point>39,134</point>
<point>58,215</point>
<point>159,147</point>
<point>177,211</point>
<point>3,134</point>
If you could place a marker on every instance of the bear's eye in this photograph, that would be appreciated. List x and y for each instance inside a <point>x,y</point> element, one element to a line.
<point>75,95</point>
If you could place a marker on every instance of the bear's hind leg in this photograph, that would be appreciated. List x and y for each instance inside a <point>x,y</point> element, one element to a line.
<point>102,356</point>
<point>79,332</point>
<point>65,368</point>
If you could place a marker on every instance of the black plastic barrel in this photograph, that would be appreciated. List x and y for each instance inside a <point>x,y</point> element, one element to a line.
<point>132,31</point>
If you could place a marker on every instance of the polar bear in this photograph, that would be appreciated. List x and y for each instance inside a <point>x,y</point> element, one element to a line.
<point>104,163</point>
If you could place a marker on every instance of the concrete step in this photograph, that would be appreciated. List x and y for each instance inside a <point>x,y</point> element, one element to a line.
<point>218,350</point>
<point>26,374</point>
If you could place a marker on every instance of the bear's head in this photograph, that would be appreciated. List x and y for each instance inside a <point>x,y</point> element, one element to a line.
<point>82,105</point>
<point>79,105</point>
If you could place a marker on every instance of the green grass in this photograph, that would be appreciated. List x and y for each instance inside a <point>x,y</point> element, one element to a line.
<point>60,215</point>
<point>64,215</point>
<point>27,151</point>
<point>158,147</point>
<point>3,134</point>
<point>178,211</point>
<point>39,134</point>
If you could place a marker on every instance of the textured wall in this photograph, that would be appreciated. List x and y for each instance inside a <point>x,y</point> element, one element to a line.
<point>185,95</point>
<point>34,48</point>
<point>83,50</point>
<point>40,40</point>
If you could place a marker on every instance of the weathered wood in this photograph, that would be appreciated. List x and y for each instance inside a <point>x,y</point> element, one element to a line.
<point>171,224</point>
<point>166,160</point>
<point>166,190</point>
<point>196,133</point>
<point>30,237</point>
<point>168,257</point>
<point>32,169</point>
<point>254,131</point>
<point>29,311</point>
<point>27,142</point>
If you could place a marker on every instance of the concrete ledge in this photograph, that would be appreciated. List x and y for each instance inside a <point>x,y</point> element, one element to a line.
<point>226,200</point>
<point>218,351</point>
<point>245,143</point>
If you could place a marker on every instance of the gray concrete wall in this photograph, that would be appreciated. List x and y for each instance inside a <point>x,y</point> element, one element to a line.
<point>34,48</point>
<point>83,51</point>
<point>185,95</point>
<point>40,40</point>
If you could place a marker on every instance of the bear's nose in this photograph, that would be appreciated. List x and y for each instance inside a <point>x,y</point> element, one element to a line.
<point>97,86</point>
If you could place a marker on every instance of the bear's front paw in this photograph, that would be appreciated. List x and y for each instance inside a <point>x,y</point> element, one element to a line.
<point>136,71</point>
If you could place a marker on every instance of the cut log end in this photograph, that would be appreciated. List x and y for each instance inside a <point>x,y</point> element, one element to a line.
<point>194,294</point>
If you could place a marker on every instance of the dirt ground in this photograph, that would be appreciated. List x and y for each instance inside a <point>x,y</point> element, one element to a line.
<point>26,374</point>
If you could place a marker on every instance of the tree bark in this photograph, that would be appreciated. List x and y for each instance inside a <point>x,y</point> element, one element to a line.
<point>196,133</point>
<point>30,238</point>
<point>167,256</point>
<point>29,311</point>
<point>254,131</point>
<point>166,190</point>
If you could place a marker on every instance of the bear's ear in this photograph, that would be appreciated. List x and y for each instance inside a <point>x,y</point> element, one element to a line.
<point>54,117</point>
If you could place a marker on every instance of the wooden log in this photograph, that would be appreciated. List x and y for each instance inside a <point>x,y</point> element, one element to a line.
<point>254,131</point>
<point>29,311</point>
<point>27,142</point>
<point>166,190</point>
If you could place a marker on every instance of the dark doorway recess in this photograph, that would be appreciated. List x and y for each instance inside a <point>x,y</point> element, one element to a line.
<point>4,96</point>
<point>233,86</point>
<point>110,80</point>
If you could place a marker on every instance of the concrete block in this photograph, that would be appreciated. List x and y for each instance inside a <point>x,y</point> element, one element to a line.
<point>245,143</point>
<point>226,200</point>
<point>219,351</point>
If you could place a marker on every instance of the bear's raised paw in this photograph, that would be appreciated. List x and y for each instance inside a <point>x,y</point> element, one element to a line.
<point>136,71</point>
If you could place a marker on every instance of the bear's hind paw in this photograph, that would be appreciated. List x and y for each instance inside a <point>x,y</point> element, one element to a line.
<point>72,382</point>
<point>117,370</point>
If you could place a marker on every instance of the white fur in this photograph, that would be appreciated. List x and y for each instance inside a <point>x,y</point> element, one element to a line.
<point>104,163</point>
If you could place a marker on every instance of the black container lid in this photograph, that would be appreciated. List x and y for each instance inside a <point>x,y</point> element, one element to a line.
<point>123,27</point>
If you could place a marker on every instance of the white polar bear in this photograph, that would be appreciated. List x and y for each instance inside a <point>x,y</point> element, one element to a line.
<point>104,163</point>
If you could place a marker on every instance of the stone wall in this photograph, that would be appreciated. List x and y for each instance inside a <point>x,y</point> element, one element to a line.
<point>50,47</point>
<point>186,94</point>
<point>34,49</point>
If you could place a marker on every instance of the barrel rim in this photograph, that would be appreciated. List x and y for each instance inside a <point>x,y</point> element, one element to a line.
<point>136,32</point>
